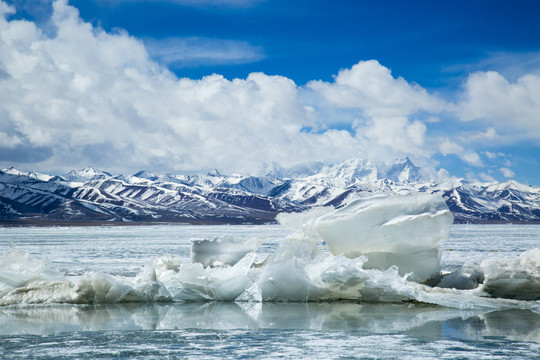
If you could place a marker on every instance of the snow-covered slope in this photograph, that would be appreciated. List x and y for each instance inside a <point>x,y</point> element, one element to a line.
<point>92,195</point>
<point>106,198</point>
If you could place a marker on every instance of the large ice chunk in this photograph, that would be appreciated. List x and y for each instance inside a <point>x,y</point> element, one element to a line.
<point>405,231</point>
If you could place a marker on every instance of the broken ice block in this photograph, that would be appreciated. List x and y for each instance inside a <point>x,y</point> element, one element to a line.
<point>405,231</point>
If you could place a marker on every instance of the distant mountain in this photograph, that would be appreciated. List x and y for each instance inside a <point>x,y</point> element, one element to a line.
<point>402,170</point>
<point>94,196</point>
<point>145,174</point>
<point>87,174</point>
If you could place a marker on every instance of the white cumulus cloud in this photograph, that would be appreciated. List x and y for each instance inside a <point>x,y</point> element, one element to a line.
<point>87,96</point>
<point>471,158</point>
<point>507,172</point>
<point>511,109</point>
<point>385,108</point>
<point>79,95</point>
<point>371,87</point>
<point>449,147</point>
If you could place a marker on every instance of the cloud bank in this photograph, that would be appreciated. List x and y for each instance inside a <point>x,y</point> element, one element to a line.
<point>85,96</point>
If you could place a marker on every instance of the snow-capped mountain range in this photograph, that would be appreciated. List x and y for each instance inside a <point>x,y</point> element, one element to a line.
<point>95,196</point>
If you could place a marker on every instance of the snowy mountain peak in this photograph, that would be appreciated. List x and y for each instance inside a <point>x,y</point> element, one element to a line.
<point>39,176</point>
<point>145,174</point>
<point>272,169</point>
<point>87,174</point>
<point>401,170</point>
<point>214,172</point>
<point>12,171</point>
<point>357,167</point>
<point>508,185</point>
<point>398,171</point>
<point>352,169</point>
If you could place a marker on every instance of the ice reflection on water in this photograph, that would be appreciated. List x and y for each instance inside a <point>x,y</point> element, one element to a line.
<point>267,330</point>
<point>422,320</point>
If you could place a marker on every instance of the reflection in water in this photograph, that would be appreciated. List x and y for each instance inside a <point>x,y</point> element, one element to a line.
<point>422,321</point>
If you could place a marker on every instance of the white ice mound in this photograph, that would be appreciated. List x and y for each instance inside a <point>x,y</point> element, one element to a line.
<point>517,278</point>
<point>221,251</point>
<point>405,231</point>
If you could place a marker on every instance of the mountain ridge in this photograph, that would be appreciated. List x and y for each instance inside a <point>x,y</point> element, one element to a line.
<point>91,196</point>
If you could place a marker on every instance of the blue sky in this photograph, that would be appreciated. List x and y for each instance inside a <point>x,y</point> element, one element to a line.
<point>433,43</point>
<point>454,85</point>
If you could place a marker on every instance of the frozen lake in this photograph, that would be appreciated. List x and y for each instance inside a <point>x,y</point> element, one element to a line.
<point>344,329</point>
